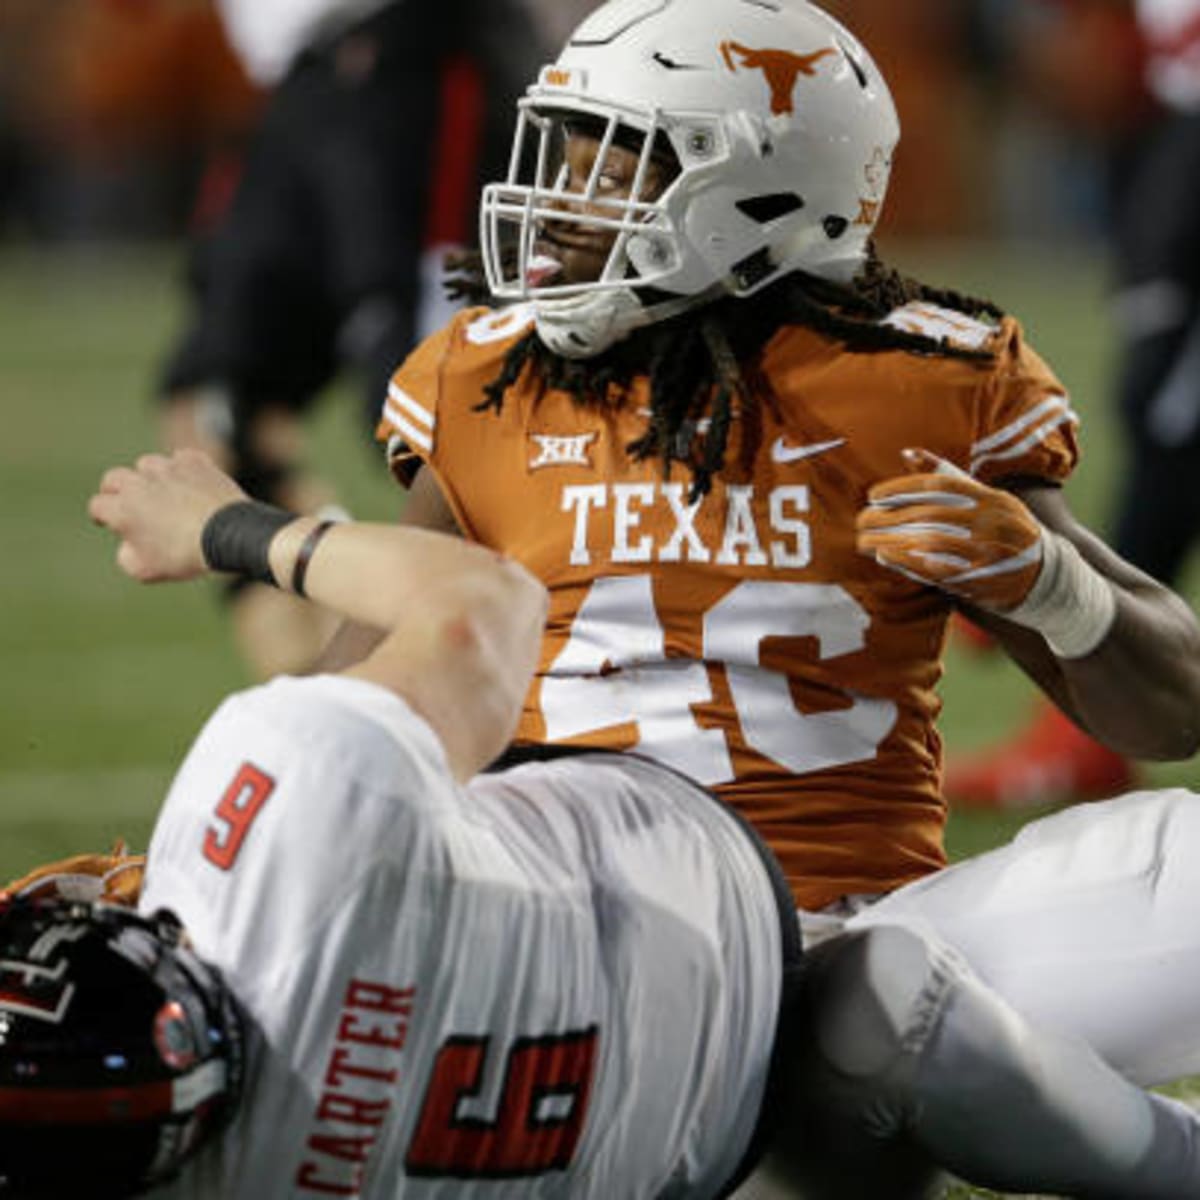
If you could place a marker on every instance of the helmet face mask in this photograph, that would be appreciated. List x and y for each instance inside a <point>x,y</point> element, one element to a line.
<point>522,215</point>
<point>781,132</point>
<point>120,1052</point>
<point>547,217</point>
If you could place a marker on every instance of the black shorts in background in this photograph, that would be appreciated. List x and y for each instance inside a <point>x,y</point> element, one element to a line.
<point>333,210</point>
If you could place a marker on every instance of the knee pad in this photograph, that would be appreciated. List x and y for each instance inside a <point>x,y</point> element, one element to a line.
<point>868,1004</point>
<point>874,997</point>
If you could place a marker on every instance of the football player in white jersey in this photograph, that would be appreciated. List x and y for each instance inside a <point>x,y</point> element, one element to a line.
<point>353,974</point>
<point>425,990</point>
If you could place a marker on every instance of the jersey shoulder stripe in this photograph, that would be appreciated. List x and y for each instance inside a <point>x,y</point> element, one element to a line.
<point>1017,438</point>
<point>452,368</point>
<point>1024,423</point>
<point>411,418</point>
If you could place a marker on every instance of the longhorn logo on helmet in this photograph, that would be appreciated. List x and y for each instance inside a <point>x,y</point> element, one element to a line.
<point>782,69</point>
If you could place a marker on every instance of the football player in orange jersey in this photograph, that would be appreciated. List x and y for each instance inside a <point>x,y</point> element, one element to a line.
<point>758,471</point>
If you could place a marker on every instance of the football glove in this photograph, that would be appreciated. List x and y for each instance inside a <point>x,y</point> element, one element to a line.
<point>115,878</point>
<point>941,527</point>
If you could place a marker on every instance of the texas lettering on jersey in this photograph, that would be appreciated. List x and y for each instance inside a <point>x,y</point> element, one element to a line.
<point>741,639</point>
<point>608,522</point>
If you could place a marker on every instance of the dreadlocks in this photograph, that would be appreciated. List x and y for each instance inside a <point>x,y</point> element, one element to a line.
<point>700,364</point>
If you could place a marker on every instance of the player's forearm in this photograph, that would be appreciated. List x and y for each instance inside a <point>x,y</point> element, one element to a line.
<point>1117,650</point>
<point>387,577</point>
<point>464,659</point>
<point>1139,691</point>
<point>1136,687</point>
<point>180,515</point>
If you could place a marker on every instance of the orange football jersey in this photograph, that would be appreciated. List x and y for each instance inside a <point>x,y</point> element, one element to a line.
<point>742,640</point>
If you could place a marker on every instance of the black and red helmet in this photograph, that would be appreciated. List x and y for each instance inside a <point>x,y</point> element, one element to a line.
<point>120,1051</point>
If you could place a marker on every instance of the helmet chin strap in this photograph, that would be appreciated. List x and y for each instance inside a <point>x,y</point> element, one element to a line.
<point>586,325</point>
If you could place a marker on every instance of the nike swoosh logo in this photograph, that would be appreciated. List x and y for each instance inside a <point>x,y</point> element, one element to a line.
<point>781,452</point>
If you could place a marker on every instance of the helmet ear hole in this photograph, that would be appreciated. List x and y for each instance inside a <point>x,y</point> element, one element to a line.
<point>168,927</point>
<point>765,209</point>
<point>753,270</point>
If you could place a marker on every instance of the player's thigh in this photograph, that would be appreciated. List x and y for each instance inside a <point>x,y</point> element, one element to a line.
<point>1086,922</point>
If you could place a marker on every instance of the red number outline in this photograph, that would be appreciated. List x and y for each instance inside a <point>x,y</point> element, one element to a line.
<point>517,1142</point>
<point>238,807</point>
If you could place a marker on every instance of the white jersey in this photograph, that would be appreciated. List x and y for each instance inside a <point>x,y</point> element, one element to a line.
<point>561,981</point>
<point>1171,29</point>
<point>268,35</point>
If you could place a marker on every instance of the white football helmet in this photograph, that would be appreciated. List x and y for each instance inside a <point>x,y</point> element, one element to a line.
<point>783,130</point>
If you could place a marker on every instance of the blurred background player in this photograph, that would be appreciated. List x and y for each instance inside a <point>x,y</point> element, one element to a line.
<point>381,117</point>
<point>1146,103</point>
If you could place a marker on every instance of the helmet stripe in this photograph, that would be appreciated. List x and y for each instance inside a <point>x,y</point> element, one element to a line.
<point>86,1106</point>
<point>113,1105</point>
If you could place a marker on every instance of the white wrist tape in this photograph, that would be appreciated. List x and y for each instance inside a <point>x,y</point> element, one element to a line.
<point>1071,604</point>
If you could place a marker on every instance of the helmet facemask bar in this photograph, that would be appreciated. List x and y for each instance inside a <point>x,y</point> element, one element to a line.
<point>535,200</point>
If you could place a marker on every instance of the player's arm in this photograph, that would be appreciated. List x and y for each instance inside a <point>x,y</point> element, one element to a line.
<point>1118,651</point>
<point>1139,690</point>
<point>426,508</point>
<point>461,626</point>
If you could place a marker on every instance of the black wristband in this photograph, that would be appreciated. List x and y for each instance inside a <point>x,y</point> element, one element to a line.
<point>238,538</point>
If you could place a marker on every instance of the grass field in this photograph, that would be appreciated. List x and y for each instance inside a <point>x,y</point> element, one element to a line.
<point>104,683</point>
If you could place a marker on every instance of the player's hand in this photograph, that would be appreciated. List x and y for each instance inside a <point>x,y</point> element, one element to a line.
<point>115,878</point>
<point>943,528</point>
<point>158,509</point>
